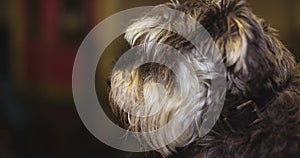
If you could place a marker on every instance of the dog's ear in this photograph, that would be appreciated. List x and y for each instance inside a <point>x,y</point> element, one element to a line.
<point>250,49</point>
<point>227,23</point>
<point>241,41</point>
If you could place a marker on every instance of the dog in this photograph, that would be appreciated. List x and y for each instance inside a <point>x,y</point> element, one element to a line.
<point>260,116</point>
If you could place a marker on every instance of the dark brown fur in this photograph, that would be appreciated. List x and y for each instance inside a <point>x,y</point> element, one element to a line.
<point>270,67</point>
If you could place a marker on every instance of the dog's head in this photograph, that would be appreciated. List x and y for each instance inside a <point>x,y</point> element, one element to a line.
<point>255,61</point>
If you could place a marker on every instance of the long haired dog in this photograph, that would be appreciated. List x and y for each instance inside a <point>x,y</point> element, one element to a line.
<point>260,117</point>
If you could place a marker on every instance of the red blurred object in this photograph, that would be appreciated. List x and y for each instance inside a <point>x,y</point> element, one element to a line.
<point>55,31</point>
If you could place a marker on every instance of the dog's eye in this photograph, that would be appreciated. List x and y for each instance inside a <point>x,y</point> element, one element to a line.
<point>108,82</point>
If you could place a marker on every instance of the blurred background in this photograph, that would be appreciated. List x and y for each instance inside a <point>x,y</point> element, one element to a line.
<point>38,44</point>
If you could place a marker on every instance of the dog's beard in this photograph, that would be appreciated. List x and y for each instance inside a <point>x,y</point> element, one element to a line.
<point>156,99</point>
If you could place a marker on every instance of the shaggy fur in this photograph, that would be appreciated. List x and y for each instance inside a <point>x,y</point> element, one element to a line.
<point>256,63</point>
